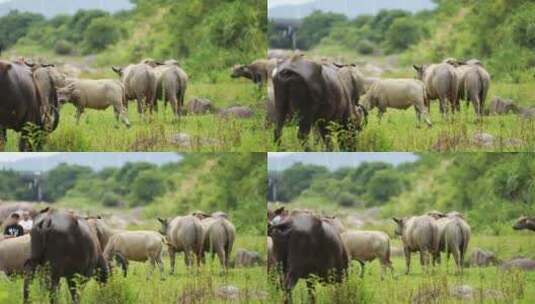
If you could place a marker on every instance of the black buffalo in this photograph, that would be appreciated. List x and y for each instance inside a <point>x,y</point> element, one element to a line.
<point>305,245</point>
<point>316,94</point>
<point>68,246</point>
<point>22,105</point>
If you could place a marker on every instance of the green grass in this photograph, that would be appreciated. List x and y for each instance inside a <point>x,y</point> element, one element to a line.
<point>185,286</point>
<point>514,287</point>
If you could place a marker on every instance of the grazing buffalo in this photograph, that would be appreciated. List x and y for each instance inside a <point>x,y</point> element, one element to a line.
<point>316,94</point>
<point>306,245</point>
<point>366,246</point>
<point>219,235</point>
<point>96,94</point>
<point>398,94</point>
<point>23,106</point>
<point>68,246</point>
<point>418,234</point>
<point>258,71</point>
<point>525,222</point>
<point>441,83</point>
<point>14,253</point>
<point>183,234</point>
<point>138,246</point>
<point>49,80</point>
<point>140,83</point>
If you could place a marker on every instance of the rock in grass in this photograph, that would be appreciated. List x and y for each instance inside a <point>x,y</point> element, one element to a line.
<point>482,258</point>
<point>524,264</point>
<point>463,292</point>
<point>484,140</point>
<point>200,106</point>
<point>237,112</point>
<point>228,292</point>
<point>181,139</point>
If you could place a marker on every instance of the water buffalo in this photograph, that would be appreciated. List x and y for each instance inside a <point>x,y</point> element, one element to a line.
<point>258,71</point>
<point>525,222</point>
<point>68,246</point>
<point>219,235</point>
<point>441,83</point>
<point>14,253</point>
<point>138,246</point>
<point>398,94</point>
<point>96,94</point>
<point>49,80</point>
<point>483,258</point>
<point>23,107</point>
<point>316,95</point>
<point>418,233</point>
<point>454,236</point>
<point>306,245</point>
<point>473,83</point>
<point>366,246</point>
<point>140,83</point>
<point>183,233</point>
<point>172,83</point>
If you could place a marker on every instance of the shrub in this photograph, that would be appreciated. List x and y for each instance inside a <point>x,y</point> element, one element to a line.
<point>63,47</point>
<point>111,199</point>
<point>345,199</point>
<point>366,47</point>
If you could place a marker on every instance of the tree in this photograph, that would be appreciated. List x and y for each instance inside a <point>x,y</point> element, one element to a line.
<point>147,186</point>
<point>384,185</point>
<point>100,33</point>
<point>403,33</point>
<point>61,179</point>
<point>15,25</point>
<point>315,27</point>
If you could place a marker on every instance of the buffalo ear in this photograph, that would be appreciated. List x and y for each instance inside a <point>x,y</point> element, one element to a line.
<point>45,210</point>
<point>117,70</point>
<point>417,67</point>
<point>397,220</point>
<point>49,65</point>
<point>161,220</point>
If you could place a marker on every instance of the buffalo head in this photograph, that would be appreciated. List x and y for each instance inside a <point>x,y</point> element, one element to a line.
<point>164,225</point>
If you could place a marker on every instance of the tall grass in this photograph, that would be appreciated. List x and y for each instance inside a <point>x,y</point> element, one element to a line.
<point>196,285</point>
<point>490,285</point>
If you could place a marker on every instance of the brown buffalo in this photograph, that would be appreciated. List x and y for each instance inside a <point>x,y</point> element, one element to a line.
<point>69,247</point>
<point>219,235</point>
<point>441,83</point>
<point>306,245</point>
<point>316,94</point>
<point>23,106</point>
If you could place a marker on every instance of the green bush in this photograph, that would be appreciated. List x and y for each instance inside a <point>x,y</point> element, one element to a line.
<point>111,199</point>
<point>100,33</point>
<point>63,47</point>
<point>366,47</point>
<point>345,199</point>
<point>147,186</point>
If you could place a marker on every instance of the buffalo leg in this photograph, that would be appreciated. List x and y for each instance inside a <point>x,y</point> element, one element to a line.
<point>305,125</point>
<point>72,289</point>
<point>120,115</point>
<point>289,283</point>
<point>407,259</point>
<point>282,108</point>
<point>361,268</point>
<point>79,111</point>
<point>222,257</point>
<point>172,257</point>
<point>121,260</point>
<point>54,286</point>
<point>28,277</point>
<point>140,107</point>
<point>160,263</point>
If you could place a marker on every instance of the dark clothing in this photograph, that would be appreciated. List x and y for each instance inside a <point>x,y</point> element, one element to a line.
<point>14,230</point>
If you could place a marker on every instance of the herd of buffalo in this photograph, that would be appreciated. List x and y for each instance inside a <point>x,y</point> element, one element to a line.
<point>319,92</point>
<point>302,244</point>
<point>71,245</point>
<point>32,94</point>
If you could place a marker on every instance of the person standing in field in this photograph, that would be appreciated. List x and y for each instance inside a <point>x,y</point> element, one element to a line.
<point>13,228</point>
<point>26,222</point>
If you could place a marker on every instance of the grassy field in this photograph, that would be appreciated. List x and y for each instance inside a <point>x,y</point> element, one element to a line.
<point>203,285</point>
<point>490,284</point>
